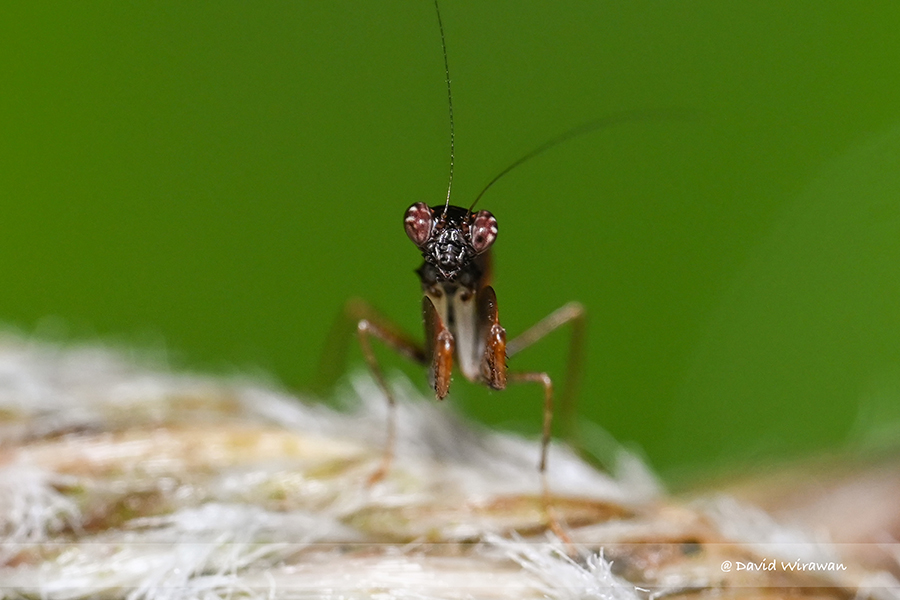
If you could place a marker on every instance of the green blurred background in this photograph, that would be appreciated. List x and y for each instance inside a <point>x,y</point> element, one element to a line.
<point>217,178</point>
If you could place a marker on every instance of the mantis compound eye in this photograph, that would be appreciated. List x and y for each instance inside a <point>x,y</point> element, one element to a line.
<point>483,231</point>
<point>418,223</point>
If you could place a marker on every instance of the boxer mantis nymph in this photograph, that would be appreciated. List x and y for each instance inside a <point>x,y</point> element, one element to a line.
<point>459,308</point>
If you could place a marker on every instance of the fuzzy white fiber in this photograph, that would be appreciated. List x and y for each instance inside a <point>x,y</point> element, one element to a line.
<point>122,481</point>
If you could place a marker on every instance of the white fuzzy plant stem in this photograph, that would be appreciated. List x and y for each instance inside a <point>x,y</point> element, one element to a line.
<point>119,480</point>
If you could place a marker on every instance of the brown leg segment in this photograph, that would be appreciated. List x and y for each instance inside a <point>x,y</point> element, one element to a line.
<point>439,345</point>
<point>493,361</point>
<point>334,355</point>
<point>545,381</point>
<point>371,323</point>
<point>547,427</point>
<point>575,314</point>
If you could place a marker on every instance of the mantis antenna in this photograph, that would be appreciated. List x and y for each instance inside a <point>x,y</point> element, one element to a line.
<point>449,101</point>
